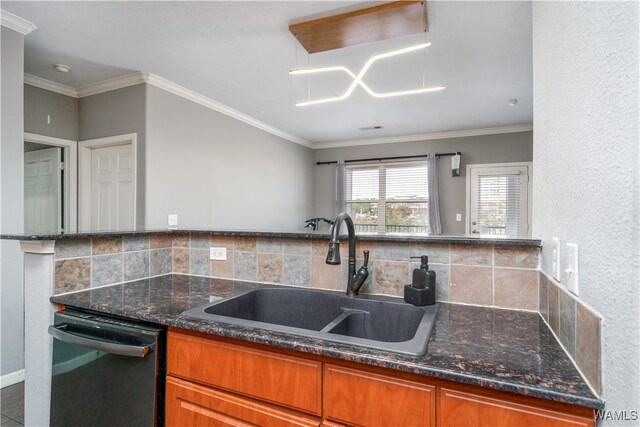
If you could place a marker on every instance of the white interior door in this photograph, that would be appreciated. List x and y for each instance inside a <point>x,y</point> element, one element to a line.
<point>42,191</point>
<point>498,199</point>
<point>112,188</point>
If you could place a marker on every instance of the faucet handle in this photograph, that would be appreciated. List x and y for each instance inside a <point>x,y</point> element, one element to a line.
<point>366,258</point>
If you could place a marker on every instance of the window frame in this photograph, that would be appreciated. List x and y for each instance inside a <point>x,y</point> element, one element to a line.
<point>382,190</point>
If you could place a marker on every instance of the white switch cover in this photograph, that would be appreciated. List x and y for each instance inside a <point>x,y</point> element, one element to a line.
<point>458,217</point>
<point>172,221</point>
<point>218,254</point>
<point>572,267</point>
<point>555,259</point>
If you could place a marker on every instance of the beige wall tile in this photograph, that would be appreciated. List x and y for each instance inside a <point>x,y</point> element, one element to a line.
<point>223,242</point>
<point>270,267</point>
<point>390,277</point>
<point>437,252</point>
<point>515,256</point>
<point>297,246</point>
<point>516,288</point>
<point>181,240</point>
<point>325,276</point>
<point>588,351</point>
<point>106,245</point>
<point>246,244</point>
<point>319,247</point>
<point>472,255</point>
<point>180,260</point>
<point>72,275</point>
<point>554,310</point>
<point>158,241</point>
<point>471,284</point>
<point>394,251</point>
<point>223,268</point>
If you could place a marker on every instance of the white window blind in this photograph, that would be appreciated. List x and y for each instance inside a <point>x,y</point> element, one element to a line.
<point>498,204</point>
<point>387,197</point>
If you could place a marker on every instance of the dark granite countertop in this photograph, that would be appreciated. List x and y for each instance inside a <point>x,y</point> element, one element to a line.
<point>474,239</point>
<point>506,350</point>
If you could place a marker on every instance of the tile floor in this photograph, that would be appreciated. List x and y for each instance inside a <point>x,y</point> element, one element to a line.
<point>12,405</point>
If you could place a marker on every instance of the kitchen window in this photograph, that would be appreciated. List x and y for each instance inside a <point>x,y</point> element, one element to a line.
<point>391,198</point>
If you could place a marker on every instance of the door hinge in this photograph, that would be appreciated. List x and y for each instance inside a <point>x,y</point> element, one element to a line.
<point>61,166</point>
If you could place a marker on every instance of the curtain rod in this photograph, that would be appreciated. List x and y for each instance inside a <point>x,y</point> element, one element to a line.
<point>379,159</point>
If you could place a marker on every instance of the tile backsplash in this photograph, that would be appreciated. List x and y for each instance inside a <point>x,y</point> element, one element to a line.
<point>578,328</point>
<point>491,275</point>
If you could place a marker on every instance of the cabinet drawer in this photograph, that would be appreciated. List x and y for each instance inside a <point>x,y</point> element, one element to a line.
<point>457,408</point>
<point>286,380</point>
<point>189,404</point>
<point>362,398</point>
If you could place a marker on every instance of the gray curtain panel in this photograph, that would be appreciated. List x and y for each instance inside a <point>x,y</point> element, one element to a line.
<point>434,199</point>
<point>341,205</point>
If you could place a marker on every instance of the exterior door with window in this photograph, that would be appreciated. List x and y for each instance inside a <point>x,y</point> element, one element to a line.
<point>498,199</point>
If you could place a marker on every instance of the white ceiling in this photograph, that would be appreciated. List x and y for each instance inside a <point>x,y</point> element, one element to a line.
<point>239,53</point>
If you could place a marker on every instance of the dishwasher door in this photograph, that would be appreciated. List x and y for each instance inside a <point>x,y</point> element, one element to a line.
<point>106,372</point>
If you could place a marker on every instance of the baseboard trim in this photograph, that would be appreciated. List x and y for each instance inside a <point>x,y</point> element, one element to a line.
<point>11,378</point>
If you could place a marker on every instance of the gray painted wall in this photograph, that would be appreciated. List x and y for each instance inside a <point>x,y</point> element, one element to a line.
<point>215,171</point>
<point>512,147</point>
<point>118,112</point>
<point>11,198</point>
<point>63,110</point>
<point>585,187</point>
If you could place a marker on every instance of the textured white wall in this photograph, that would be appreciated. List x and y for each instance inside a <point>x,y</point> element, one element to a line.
<point>585,156</point>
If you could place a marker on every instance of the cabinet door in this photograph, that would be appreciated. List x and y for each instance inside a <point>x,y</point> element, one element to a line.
<point>361,398</point>
<point>289,381</point>
<point>457,408</point>
<point>190,405</point>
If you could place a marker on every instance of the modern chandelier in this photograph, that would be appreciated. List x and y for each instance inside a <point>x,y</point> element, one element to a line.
<point>357,79</point>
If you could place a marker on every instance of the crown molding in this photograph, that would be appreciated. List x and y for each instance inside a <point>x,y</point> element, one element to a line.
<point>426,136</point>
<point>111,84</point>
<point>168,86</point>
<point>16,23</point>
<point>50,86</point>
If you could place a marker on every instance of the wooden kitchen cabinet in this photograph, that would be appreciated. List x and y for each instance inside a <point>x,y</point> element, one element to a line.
<point>461,408</point>
<point>222,382</point>
<point>191,405</point>
<point>357,397</point>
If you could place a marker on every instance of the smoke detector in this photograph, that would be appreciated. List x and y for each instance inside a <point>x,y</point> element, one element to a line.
<point>62,68</point>
<point>512,102</point>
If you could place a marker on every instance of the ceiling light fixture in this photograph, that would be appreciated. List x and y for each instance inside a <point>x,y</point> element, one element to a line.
<point>62,68</point>
<point>512,102</point>
<point>357,80</point>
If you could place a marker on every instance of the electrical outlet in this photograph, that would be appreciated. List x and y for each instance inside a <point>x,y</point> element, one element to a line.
<point>458,217</point>
<point>555,258</point>
<point>218,254</point>
<point>572,267</point>
<point>172,221</point>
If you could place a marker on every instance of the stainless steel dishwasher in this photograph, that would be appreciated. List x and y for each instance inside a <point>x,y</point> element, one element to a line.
<point>106,371</point>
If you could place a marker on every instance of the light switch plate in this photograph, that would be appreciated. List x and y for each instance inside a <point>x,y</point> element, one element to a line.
<point>172,221</point>
<point>555,259</point>
<point>458,217</point>
<point>572,267</point>
<point>218,254</point>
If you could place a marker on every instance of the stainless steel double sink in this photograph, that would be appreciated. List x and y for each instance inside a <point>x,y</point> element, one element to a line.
<point>381,324</point>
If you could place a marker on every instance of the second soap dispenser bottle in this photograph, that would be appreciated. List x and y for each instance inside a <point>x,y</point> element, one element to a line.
<point>422,290</point>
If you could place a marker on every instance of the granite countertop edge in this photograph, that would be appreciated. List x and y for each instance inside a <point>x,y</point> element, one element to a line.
<point>463,239</point>
<point>335,350</point>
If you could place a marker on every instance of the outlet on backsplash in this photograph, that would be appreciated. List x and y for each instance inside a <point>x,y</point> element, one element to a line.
<point>218,254</point>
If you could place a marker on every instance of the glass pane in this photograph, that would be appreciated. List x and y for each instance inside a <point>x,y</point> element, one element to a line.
<point>362,184</point>
<point>407,217</point>
<point>364,215</point>
<point>406,182</point>
<point>498,204</point>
